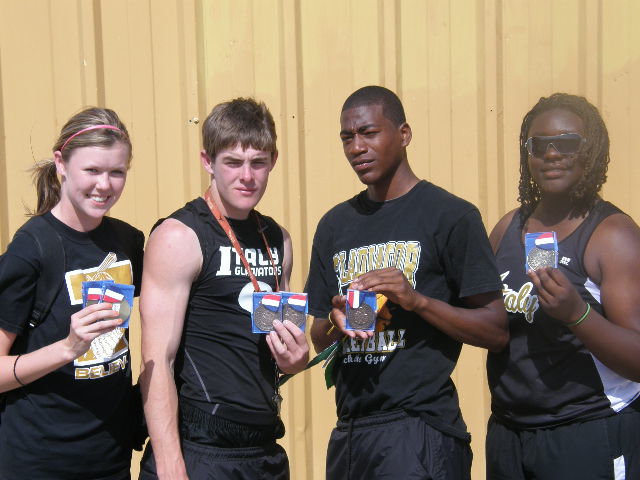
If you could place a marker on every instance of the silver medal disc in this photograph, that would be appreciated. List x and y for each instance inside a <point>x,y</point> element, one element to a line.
<point>293,315</point>
<point>361,317</point>
<point>263,318</point>
<point>124,310</point>
<point>538,258</point>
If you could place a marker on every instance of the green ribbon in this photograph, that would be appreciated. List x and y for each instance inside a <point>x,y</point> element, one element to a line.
<point>328,355</point>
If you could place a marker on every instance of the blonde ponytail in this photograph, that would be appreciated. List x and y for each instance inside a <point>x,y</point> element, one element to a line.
<point>47,185</point>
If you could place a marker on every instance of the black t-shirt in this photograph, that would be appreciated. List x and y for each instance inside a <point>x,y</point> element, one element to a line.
<point>440,244</point>
<point>74,422</point>
<point>221,366</point>
<point>546,376</point>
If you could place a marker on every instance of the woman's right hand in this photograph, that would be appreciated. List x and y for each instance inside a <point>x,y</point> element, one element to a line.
<point>89,323</point>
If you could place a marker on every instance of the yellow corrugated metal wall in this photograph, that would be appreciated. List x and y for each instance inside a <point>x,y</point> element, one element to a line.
<point>466,70</point>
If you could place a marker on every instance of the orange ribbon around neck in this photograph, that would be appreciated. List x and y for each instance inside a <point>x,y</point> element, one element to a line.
<point>224,223</point>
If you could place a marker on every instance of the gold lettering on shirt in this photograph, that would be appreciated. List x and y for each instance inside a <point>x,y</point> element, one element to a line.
<point>405,256</point>
<point>521,301</point>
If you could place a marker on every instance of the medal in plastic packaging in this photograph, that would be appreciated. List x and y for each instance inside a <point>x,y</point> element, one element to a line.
<point>92,291</point>
<point>361,310</point>
<point>541,250</point>
<point>295,308</point>
<point>267,307</point>
<point>121,296</point>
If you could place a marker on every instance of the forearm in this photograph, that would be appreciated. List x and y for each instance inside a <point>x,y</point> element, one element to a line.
<point>161,411</point>
<point>481,326</point>
<point>320,335</point>
<point>615,346</point>
<point>34,365</point>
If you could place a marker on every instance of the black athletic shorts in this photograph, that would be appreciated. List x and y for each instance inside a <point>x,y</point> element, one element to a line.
<point>606,448</point>
<point>395,445</point>
<point>217,448</point>
<point>204,462</point>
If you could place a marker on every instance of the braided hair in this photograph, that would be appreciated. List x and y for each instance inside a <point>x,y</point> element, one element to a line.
<point>594,154</point>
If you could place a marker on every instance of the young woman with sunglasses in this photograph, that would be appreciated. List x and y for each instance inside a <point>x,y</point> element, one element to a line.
<point>565,392</point>
<point>67,381</point>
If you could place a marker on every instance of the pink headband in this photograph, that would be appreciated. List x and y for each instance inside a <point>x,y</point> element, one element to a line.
<point>94,127</point>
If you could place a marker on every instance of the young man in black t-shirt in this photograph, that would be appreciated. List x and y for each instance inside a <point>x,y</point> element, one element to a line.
<point>427,252</point>
<point>208,382</point>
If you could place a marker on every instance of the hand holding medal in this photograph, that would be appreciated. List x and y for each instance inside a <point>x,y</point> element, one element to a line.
<point>120,296</point>
<point>285,339</point>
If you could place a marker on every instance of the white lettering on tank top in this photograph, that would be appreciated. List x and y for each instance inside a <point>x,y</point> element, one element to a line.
<point>255,257</point>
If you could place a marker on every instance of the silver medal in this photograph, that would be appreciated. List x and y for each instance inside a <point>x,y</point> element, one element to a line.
<point>263,318</point>
<point>539,258</point>
<point>293,315</point>
<point>361,318</point>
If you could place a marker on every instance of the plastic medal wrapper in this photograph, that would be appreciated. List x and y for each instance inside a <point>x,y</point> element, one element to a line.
<point>295,308</point>
<point>121,296</point>
<point>92,291</point>
<point>361,310</point>
<point>267,307</point>
<point>541,250</point>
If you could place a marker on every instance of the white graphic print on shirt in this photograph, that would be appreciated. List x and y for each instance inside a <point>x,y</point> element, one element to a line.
<point>110,348</point>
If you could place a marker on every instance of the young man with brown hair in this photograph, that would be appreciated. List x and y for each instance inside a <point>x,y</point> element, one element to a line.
<point>211,400</point>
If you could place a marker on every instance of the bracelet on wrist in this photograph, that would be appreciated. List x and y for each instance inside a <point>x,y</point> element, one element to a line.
<point>333,325</point>
<point>582,318</point>
<point>15,375</point>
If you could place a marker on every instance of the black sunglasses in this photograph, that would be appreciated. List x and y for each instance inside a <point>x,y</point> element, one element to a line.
<point>565,144</point>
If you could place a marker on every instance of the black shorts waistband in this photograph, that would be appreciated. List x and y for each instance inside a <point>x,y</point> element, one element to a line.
<point>346,424</point>
<point>231,413</point>
<point>371,420</point>
<point>242,453</point>
<point>200,427</point>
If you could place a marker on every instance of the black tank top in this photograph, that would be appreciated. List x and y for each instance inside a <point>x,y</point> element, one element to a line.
<point>221,366</point>
<point>546,376</point>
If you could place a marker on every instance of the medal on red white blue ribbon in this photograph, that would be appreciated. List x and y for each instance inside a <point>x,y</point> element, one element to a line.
<point>295,308</point>
<point>541,250</point>
<point>361,310</point>
<point>266,309</point>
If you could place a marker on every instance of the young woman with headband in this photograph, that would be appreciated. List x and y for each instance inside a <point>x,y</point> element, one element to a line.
<point>67,381</point>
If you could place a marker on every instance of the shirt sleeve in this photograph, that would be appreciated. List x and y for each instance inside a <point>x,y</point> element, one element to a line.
<point>19,272</point>
<point>469,261</point>
<point>322,283</point>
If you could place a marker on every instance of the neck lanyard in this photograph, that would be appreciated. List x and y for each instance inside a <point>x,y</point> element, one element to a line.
<point>224,223</point>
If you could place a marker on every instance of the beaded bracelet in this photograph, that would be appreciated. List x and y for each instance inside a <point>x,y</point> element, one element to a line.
<point>15,375</point>
<point>582,318</point>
